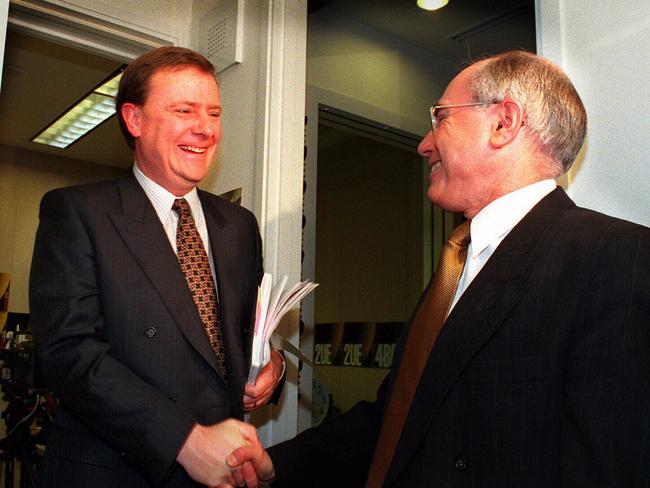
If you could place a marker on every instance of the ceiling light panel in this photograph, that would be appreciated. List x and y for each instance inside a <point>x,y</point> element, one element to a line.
<point>83,116</point>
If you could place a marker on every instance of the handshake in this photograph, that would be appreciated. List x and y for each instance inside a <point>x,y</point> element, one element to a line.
<point>229,453</point>
<point>226,455</point>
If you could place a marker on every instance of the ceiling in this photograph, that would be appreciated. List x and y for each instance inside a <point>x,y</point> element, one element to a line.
<point>462,30</point>
<point>41,79</point>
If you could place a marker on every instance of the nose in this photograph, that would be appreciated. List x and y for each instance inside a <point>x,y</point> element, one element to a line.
<point>204,125</point>
<point>426,146</point>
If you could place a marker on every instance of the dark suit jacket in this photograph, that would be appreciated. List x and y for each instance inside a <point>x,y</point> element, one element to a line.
<point>118,337</point>
<point>539,378</point>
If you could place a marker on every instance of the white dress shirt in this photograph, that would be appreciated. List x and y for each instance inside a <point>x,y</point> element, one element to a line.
<point>493,223</point>
<point>162,202</point>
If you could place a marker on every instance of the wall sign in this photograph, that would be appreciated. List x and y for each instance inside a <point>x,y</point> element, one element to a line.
<point>357,344</point>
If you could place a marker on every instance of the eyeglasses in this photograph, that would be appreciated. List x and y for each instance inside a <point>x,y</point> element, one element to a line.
<point>434,110</point>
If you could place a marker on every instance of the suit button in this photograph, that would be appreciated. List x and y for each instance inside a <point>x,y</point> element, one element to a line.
<point>150,332</point>
<point>461,463</point>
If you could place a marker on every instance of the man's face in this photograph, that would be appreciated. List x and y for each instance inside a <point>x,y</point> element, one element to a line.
<point>461,177</point>
<point>178,128</point>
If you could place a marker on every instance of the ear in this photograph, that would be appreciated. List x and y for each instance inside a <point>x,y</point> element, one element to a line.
<point>508,124</point>
<point>132,118</point>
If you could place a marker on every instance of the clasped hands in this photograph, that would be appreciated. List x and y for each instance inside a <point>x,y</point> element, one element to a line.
<point>225,455</point>
<point>204,453</point>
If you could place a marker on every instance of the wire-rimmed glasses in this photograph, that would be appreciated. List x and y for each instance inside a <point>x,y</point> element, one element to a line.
<point>434,110</point>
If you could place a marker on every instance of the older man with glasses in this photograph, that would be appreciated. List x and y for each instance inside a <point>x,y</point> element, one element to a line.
<point>526,362</point>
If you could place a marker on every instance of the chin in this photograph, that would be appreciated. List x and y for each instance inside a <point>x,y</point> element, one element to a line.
<point>196,172</point>
<point>445,204</point>
<point>435,197</point>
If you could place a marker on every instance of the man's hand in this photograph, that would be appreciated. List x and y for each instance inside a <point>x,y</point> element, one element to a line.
<point>204,453</point>
<point>258,394</point>
<point>257,457</point>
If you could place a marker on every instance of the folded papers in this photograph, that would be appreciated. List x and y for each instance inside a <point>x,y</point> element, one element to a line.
<point>273,302</point>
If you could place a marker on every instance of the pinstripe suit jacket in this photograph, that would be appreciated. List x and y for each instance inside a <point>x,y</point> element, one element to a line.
<point>539,378</point>
<point>119,340</point>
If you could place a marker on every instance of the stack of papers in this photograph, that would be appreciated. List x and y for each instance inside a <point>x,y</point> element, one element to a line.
<point>272,303</point>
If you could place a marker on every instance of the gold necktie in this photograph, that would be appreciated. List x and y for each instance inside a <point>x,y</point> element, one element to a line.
<point>198,275</point>
<point>425,327</point>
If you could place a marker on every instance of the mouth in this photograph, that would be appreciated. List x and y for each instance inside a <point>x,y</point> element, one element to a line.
<point>192,149</point>
<point>435,166</point>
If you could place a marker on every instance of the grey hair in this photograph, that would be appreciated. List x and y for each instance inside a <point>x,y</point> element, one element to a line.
<point>553,110</point>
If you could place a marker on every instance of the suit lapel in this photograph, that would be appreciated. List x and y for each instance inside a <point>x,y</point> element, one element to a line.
<point>224,256</point>
<point>478,314</point>
<point>142,232</point>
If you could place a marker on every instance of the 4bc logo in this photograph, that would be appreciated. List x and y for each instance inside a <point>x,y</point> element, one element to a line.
<point>384,355</point>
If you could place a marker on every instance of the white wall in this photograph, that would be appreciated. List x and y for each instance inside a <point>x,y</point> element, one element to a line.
<point>605,49</point>
<point>4,8</point>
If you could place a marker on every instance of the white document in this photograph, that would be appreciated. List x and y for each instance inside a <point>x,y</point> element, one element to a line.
<point>272,303</point>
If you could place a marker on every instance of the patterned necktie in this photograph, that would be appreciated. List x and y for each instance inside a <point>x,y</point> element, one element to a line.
<point>198,275</point>
<point>425,327</point>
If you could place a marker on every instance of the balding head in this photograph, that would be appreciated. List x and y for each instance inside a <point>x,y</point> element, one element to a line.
<point>553,111</point>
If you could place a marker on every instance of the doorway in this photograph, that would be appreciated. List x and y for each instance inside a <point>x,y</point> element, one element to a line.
<point>374,248</point>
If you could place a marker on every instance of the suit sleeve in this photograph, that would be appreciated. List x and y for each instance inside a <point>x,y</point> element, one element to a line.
<point>339,451</point>
<point>336,453</point>
<point>74,355</point>
<point>606,431</point>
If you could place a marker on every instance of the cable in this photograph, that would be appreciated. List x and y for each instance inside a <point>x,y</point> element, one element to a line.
<point>26,417</point>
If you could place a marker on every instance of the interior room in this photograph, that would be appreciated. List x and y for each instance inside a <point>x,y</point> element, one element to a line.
<point>323,113</point>
<point>402,69</point>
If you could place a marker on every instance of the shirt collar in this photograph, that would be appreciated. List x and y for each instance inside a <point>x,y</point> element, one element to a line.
<point>499,217</point>
<point>162,199</point>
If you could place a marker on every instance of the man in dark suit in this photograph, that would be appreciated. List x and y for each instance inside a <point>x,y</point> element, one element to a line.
<point>146,367</point>
<point>540,375</point>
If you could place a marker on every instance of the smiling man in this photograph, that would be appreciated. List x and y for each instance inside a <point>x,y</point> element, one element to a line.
<point>142,295</point>
<point>539,375</point>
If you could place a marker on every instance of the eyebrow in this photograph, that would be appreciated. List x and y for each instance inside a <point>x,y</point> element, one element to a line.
<point>194,104</point>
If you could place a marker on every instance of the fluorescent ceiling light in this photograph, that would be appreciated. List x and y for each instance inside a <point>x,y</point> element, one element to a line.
<point>432,4</point>
<point>83,116</point>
